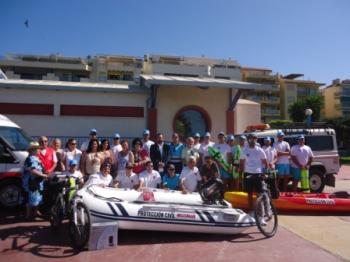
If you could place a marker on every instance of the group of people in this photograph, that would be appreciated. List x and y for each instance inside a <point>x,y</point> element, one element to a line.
<point>157,164</point>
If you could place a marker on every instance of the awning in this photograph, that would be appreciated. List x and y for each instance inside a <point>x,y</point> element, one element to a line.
<point>204,82</point>
<point>71,86</point>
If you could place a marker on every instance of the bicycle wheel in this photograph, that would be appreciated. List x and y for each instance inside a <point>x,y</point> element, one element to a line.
<point>79,228</point>
<point>56,213</point>
<point>266,216</point>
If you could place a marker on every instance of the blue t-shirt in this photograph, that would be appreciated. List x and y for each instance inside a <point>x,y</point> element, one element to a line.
<point>171,182</point>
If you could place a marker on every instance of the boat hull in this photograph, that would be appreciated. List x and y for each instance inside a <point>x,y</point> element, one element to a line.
<point>296,202</point>
<point>189,216</point>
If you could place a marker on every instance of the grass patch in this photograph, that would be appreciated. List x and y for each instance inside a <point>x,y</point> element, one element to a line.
<point>345,160</point>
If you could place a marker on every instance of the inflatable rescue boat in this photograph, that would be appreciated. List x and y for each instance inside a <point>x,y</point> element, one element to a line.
<point>299,202</point>
<point>163,210</point>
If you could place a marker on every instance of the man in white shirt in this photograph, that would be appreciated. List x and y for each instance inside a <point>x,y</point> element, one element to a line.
<point>302,157</point>
<point>252,162</point>
<point>92,135</point>
<point>127,179</point>
<point>282,163</point>
<point>196,144</point>
<point>147,143</point>
<point>117,147</point>
<point>203,149</point>
<point>150,178</point>
<point>271,153</point>
<point>190,176</point>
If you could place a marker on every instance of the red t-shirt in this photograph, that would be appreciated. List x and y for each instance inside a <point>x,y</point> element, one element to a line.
<point>140,156</point>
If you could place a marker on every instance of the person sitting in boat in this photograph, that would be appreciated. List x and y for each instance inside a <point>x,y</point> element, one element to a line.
<point>252,162</point>
<point>171,180</point>
<point>150,178</point>
<point>103,178</point>
<point>74,172</point>
<point>209,169</point>
<point>190,176</point>
<point>127,179</point>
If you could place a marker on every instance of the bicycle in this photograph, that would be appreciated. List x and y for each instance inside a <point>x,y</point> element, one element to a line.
<point>264,211</point>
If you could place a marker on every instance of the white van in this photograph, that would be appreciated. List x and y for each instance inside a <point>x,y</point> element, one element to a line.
<point>13,152</point>
<point>324,146</point>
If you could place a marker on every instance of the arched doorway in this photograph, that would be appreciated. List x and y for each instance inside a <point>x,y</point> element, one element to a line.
<point>191,119</point>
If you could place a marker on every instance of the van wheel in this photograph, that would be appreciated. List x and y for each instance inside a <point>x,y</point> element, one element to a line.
<point>317,181</point>
<point>10,193</point>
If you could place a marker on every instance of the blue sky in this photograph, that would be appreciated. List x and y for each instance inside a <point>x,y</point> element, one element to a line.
<point>302,36</point>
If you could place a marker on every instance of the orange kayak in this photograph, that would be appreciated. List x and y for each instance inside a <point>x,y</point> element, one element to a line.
<point>337,202</point>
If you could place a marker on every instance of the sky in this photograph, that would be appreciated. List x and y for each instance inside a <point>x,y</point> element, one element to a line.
<point>287,36</point>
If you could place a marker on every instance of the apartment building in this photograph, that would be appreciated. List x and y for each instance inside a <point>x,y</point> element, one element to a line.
<point>285,91</point>
<point>337,99</point>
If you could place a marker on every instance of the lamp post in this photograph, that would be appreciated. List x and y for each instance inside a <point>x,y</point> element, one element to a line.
<point>308,113</point>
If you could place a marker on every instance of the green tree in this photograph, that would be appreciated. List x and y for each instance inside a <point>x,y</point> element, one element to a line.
<point>297,109</point>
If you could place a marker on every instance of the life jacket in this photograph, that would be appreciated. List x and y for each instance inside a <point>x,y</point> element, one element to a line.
<point>47,160</point>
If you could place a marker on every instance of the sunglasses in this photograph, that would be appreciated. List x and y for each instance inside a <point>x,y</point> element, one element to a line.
<point>73,144</point>
<point>43,141</point>
<point>171,169</point>
<point>129,167</point>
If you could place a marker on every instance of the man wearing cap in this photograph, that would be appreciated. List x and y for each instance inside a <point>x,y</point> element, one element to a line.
<point>252,162</point>
<point>235,157</point>
<point>271,153</point>
<point>196,144</point>
<point>190,176</point>
<point>282,164</point>
<point>73,172</point>
<point>171,180</point>
<point>176,148</point>
<point>147,143</point>
<point>224,149</point>
<point>302,157</point>
<point>203,149</point>
<point>117,147</point>
<point>127,179</point>
<point>92,135</point>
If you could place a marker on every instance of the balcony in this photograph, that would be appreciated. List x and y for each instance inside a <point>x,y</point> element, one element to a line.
<point>264,100</point>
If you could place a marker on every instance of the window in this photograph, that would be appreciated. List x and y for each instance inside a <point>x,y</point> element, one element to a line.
<point>15,137</point>
<point>317,143</point>
<point>190,120</point>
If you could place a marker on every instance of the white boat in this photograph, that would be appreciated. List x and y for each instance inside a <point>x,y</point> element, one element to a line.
<point>162,210</point>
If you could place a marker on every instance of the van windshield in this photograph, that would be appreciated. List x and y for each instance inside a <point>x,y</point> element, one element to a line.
<point>16,137</point>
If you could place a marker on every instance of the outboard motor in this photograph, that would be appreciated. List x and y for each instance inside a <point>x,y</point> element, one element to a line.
<point>212,191</point>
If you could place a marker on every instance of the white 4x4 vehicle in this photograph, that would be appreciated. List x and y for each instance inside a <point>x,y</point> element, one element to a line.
<point>324,146</point>
<point>13,152</point>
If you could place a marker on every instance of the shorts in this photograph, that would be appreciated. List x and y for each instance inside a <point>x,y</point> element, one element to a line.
<point>296,172</point>
<point>224,174</point>
<point>252,183</point>
<point>283,169</point>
